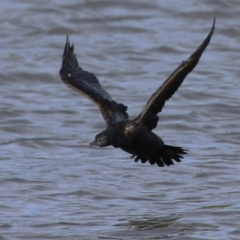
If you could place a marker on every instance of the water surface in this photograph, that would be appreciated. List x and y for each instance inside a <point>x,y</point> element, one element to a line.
<point>54,186</point>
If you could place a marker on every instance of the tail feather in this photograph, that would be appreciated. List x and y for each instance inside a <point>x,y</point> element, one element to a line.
<point>175,153</point>
<point>169,154</point>
<point>164,157</point>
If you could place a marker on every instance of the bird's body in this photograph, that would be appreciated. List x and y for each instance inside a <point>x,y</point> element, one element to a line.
<point>133,136</point>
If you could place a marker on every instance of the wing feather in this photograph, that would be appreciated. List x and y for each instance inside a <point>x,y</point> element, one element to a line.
<point>87,84</point>
<point>170,86</point>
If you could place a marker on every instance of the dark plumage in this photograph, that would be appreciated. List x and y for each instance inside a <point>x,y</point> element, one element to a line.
<point>133,136</point>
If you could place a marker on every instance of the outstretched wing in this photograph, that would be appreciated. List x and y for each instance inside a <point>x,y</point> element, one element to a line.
<point>155,104</point>
<point>86,83</point>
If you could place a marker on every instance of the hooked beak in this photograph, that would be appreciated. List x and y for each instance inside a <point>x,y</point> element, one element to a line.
<point>93,144</point>
<point>97,143</point>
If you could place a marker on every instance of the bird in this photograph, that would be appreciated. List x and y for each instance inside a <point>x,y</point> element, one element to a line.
<point>134,136</point>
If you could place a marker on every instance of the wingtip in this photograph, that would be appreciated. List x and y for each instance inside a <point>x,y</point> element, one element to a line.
<point>66,48</point>
<point>214,22</point>
<point>67,40</point>
<point>198,53</point>
<point>69,56</point>
<point>213,25</point>
<point>208,38</point>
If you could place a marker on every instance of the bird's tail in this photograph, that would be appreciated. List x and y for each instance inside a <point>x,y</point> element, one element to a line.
<point>171,153</point>
<point>163,157</point>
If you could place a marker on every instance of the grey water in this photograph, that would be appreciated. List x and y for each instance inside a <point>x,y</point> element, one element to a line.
<point>53,185</point>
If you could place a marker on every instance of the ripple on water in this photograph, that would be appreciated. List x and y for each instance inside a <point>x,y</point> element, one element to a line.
<point>54,186</point>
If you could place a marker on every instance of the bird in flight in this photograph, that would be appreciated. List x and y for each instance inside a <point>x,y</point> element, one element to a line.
<point>132,136</point>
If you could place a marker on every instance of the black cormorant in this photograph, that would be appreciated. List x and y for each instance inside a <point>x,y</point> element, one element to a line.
<point>133,136</point>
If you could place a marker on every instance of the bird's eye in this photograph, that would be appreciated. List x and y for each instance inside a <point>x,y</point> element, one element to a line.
<point>103,138</point>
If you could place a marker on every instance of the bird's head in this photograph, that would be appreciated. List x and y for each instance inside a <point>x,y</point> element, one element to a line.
<point>102,139</point>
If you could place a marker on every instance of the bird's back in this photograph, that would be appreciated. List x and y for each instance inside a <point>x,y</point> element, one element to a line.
<point>138,140</point>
